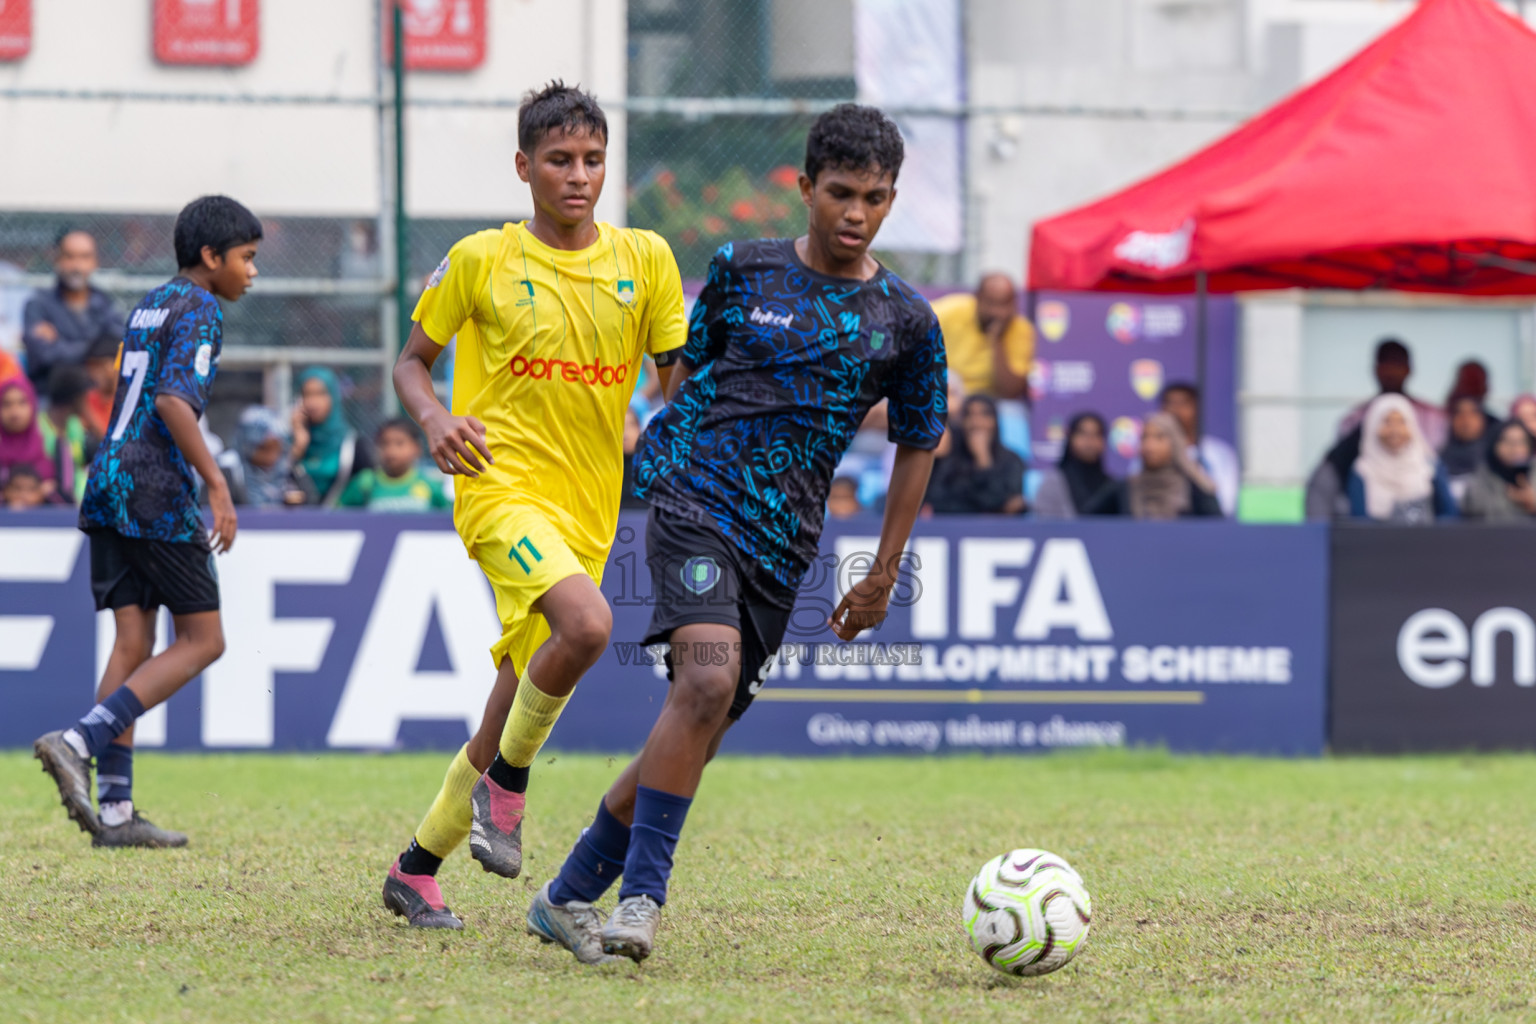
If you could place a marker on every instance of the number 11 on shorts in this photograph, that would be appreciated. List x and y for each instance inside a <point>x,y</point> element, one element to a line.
<point>528,545</point>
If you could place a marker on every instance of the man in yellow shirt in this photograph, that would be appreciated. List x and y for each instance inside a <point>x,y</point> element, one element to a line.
<point>989,345</point>
<point>552,317</point>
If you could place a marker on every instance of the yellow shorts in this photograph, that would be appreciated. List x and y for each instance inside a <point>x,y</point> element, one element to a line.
<point>522,554</point>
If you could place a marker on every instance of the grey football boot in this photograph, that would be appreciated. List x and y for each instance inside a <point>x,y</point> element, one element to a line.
<point>631,931</point>
<point>138,831</point>
<point>72,774</point>
<point>576,926</point>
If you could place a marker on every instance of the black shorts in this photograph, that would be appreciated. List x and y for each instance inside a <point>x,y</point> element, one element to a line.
<point>128,571</point>
<point>697,576</point>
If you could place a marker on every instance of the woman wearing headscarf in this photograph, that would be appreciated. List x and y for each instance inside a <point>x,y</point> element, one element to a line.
<point>1471,430</point>
<point>1524,410</point>
<point>979,476</point>
<point>259,468</point>
<point>323,442</point>
<point>1073,487</point>
<point>1397,478</point>
<point>21,441</point>
<point>1500,491</point>
<point>1170,483</point>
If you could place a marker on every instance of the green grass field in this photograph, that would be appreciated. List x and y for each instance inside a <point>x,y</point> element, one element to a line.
<point>1224,890</point>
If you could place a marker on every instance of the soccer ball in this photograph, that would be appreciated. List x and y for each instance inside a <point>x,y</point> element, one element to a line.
<point>1027,912</point>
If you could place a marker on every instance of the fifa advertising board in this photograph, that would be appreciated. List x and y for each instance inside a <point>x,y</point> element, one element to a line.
<point>1434,638</point>
<point>372,632</point>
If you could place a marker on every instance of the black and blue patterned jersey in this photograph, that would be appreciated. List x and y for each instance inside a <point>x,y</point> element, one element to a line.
<point>140,483</point>
<point>786,363</point>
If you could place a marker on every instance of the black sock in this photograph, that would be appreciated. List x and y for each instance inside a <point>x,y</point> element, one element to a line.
<point>416,861</point>
<point>508,777</point>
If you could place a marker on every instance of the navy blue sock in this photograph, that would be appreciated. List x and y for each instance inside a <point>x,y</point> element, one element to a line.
<point>114,774</point>
<point>659,821</point>
<point>108,720</point>
<point>595,862</point>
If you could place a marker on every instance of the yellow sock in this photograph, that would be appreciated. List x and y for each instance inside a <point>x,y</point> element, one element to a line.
<point>447,823</point>
<point>534,714</point>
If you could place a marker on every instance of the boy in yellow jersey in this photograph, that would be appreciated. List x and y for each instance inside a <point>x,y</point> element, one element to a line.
<point>552,317</point>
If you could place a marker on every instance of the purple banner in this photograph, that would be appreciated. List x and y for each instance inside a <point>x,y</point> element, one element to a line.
<point>1112,354</point>
<point>359,631</point>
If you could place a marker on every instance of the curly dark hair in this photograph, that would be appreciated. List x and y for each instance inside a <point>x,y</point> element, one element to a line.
<point>853,137</point>
<point>557,105</point>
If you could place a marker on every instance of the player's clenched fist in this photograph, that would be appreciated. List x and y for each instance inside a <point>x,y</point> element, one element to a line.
<point>457,444</point>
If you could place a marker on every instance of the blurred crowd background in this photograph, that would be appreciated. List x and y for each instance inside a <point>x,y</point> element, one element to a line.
<point>1013,110</point>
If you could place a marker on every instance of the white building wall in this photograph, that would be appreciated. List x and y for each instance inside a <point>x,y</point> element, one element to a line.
<point>288,159</point>
<point>1208,59</point>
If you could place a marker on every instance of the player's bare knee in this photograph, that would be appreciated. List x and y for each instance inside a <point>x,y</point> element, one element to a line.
<point>703,695</point>
<point>207,643</point>
<point>585,633</point>
<point>134,648</point>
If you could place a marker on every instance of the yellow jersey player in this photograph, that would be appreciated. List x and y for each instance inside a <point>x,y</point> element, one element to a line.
<point>552,316</point>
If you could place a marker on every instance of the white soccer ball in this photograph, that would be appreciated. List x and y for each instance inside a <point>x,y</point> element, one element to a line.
<point>1027,912</point>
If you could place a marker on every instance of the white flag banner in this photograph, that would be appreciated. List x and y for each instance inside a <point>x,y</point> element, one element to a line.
<point>907,53</point>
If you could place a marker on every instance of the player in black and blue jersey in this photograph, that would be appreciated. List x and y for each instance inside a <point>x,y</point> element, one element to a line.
<point>791,343</point>
<point>149,546</point>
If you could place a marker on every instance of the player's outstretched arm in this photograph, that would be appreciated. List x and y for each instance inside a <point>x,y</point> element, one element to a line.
<point>864,606</point>
<point>181,420</point>
<point>457,443</point>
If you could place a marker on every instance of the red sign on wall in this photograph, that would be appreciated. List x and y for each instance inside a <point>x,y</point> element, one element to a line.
<point>225,32</point>
<point>440,35</point>
<point>15,29</point>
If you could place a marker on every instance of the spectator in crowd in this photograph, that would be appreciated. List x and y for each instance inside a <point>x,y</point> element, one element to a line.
<point>101,365</point>
<point>66,440</point>
<point>1500,491</point>
<point>1393,367</point>
<point>627,498</point>
<point>1215,456</point>
<point>60,324</point>
<point>990,346</point>
<point>9,367</point>
<point>23,489</point>
<point>1524,410</point>
<point>398,485</point>
<point>323,442</point>
<point>259,468</point>
<point>21,442</point>
<point>1468,442</point>
<point>1472,379</point>
<point>1397,478</point>
<point>1327,496</point>
<point>843,498</point>
<point>1169,484</point>
<point>1078,481</point>
<point>979,475</point>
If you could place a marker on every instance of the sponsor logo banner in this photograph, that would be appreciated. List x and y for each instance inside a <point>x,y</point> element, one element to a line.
<point>1433,638</point>
<point>350,631</point>
<point>1113,354</point>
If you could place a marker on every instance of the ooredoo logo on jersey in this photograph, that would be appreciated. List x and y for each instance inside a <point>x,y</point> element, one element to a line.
<point>568,370</point>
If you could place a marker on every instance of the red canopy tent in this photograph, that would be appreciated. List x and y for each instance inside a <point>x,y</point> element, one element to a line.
<point>1411,167</point>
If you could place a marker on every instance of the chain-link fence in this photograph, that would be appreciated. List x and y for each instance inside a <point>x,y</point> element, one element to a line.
<point>712,112</point>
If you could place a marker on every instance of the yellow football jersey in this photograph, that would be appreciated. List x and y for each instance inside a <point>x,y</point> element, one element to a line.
<point>550,344</point>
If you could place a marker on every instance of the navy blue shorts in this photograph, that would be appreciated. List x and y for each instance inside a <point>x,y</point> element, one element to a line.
<point>698,576</point>
<point>137,571</point>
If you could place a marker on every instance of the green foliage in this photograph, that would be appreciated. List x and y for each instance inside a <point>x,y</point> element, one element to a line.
<point>1224,890</point>
<point>700,184</point>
